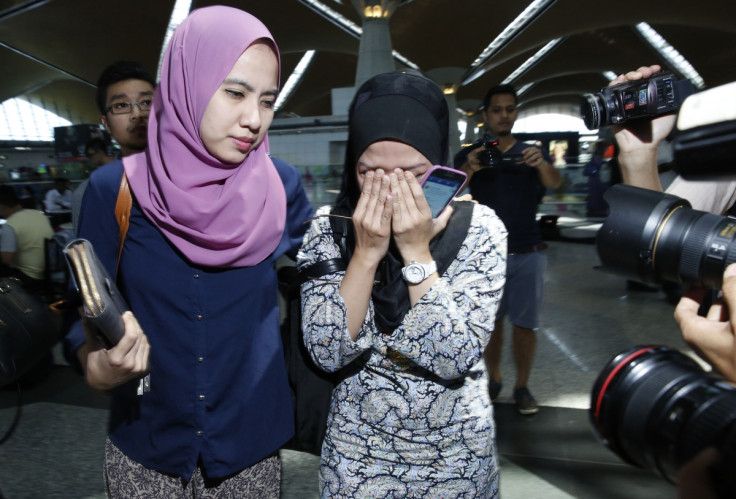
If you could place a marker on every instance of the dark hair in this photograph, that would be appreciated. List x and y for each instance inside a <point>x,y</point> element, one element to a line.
<point>116,72</point>
<point>499,89</point>
<point>95,144</point>
<point>8,196</point>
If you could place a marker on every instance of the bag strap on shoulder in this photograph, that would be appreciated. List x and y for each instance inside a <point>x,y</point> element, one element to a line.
<point>324,267</point>
<point>123,206</point>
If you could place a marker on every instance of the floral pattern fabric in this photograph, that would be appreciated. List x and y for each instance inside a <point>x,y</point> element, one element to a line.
<point>416,419</point>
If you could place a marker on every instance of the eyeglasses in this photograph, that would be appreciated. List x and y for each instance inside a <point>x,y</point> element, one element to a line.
<point>127,107</point>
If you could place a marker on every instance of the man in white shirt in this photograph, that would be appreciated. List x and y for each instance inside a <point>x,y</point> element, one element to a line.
<point>59,198</point>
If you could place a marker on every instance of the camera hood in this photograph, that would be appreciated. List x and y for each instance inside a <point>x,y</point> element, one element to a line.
<point>654,237</point>
<point>704,140</point>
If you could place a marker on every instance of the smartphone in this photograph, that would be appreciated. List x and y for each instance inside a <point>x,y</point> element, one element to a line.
<point>440,185</point>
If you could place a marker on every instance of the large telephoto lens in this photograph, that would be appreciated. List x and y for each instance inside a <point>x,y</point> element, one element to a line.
<point>651,236</point>
<point>655,408</point>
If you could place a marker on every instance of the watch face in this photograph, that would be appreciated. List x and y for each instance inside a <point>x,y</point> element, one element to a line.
<point>414,273</point>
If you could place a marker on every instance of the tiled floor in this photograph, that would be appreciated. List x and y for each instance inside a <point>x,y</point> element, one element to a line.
<point>56,449</point>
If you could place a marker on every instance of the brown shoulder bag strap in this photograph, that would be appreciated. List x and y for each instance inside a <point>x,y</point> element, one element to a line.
<point>122,214</point>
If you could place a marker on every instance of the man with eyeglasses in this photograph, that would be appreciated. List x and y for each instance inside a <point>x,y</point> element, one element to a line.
<point>124,97</point>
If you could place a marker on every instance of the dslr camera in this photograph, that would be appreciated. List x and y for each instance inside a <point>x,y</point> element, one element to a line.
<point>656,408</point>
<point>659,94</point>
<point>492,156</point>
<point>653,406</point>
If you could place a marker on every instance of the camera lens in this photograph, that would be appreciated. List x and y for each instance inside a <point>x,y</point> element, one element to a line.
<point>489,157</point>
<point>593,111</point>
<point>654,237</point>
<point>655,408</point>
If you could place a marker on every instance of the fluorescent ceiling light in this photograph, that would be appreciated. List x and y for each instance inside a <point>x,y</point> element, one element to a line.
<point>294,79</point>
<point>178,14</point>
<point>335,18</point>
<point>672,56</point>
<point>521,91</point>
<point>348,26</point>
<point>529,63</point>
<point>522,21</point>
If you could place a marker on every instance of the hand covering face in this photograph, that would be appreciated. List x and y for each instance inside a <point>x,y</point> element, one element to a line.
<point>406,107</point>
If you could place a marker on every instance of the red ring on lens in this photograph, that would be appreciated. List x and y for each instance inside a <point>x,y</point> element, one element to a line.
<point>613,373</point>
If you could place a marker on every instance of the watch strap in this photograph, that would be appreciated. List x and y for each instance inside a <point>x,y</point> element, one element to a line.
<point>427,268</point>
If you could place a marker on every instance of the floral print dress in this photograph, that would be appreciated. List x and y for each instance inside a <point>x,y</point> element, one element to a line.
<point>416,419</point>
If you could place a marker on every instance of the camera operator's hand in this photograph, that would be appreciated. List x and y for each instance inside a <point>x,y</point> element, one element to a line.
<point>532,156</point>
<point>713,336</point>
<point>106,369</point>
<point>638,140</point>
<point>472,163</point>
<point>694,479</point>
<point>550,176</point>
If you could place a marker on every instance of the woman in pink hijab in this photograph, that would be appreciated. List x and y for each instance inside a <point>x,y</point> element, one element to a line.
<point>211,213</point>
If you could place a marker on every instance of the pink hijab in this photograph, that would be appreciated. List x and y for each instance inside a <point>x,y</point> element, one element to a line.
<point>217,214</point>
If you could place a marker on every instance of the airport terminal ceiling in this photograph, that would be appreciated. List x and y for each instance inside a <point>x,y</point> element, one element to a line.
<point>51,51</point>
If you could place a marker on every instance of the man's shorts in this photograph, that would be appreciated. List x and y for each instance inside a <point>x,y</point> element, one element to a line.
<point>524,289</point>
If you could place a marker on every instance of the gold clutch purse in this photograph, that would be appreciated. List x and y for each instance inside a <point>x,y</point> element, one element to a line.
<point>102,303</point>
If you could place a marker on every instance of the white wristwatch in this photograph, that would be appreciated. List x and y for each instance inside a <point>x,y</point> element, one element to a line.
<point>416,272</point>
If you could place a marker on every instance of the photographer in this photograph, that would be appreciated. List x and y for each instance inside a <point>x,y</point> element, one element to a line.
<point>654,406</point>
<point>639,140</point>
<point>513,188</point>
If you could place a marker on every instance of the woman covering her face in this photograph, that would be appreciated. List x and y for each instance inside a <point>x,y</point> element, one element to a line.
<point>209,219</point>
<point>412,416</point>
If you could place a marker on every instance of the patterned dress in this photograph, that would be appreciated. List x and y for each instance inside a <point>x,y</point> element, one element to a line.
<point>416,420</point>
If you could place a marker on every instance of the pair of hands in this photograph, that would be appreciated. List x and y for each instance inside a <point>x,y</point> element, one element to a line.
<point>105,369</point>
<point>394,204</point>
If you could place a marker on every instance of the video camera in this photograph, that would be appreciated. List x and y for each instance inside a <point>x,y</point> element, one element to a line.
<point>659,94</point>
<point>653,406</point>
<point>492,156</point>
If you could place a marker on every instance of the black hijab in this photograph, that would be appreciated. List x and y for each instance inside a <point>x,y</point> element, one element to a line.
<point>407,107</point>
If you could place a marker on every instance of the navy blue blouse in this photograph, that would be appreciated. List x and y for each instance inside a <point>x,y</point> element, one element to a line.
<point>219,390</point>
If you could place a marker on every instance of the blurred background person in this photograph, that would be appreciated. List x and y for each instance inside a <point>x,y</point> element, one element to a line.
<point>124,97</point>
<point>97,153</point>
<point>22,245</point>
<point>514,190</point>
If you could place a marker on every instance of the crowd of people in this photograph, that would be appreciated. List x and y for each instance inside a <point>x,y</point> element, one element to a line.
<point>210,213</point>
